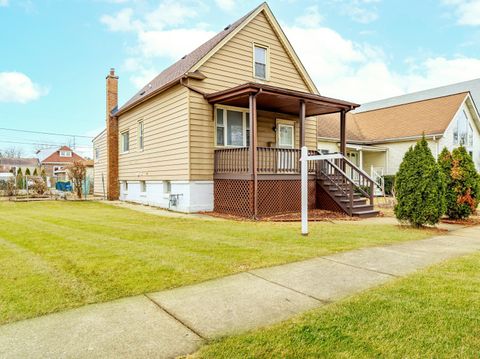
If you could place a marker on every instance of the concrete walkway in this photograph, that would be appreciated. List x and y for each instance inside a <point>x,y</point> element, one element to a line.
<point>176,322</point>
<point>157,211</point>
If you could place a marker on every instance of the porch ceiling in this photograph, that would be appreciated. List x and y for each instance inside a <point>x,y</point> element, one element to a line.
<point>277,99</point>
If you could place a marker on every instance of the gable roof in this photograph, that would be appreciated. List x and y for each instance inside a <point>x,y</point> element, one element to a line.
<point>190,63</point>
<point>472,86</point>
<point>429,117</point>
<point>56,158</point>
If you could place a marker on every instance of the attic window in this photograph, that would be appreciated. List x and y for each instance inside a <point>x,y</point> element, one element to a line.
<point>260,55</point>
<point>65,153</point>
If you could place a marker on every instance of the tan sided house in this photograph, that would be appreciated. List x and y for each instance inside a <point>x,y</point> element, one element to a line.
<point>379,134</point>
<point>222,129</point>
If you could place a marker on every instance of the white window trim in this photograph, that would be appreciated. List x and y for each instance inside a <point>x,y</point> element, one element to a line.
<point>121,142</point>
<point>141,124</point>
<point>66,153</point>
<point>267,61</point>
<point>245,119</point>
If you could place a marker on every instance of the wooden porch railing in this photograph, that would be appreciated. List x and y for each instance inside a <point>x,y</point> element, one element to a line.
<point>269,160</point>
<point>231,160</point>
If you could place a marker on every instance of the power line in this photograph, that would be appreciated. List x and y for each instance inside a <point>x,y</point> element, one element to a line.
<point>37,144</point>
<point>44,133</point>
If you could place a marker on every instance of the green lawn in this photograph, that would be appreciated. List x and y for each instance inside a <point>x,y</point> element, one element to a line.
<point>58,255</point>
<point>432,314</point>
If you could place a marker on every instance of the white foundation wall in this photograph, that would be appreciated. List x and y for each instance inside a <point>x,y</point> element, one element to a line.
<point>195,196</point>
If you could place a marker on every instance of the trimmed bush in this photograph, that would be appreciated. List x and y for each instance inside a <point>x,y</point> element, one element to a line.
<point>419,187</point>
<point>389,182</point>
<point>462,183</point>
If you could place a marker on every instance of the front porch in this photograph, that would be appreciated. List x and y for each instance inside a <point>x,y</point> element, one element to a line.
<point>254,176</point>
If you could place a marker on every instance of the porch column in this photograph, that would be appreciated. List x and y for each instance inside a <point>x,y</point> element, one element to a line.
<point>253,149</point>
<point>343,133</point>
<point>302,123</point>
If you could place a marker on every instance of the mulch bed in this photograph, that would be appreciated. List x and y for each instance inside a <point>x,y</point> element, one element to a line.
<point>316,215</point>
<point>471,221</point>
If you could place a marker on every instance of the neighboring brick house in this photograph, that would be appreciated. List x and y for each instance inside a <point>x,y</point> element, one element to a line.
<point>55,161</point>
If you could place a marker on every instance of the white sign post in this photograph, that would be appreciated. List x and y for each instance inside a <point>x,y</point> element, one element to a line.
<point>304,171</point>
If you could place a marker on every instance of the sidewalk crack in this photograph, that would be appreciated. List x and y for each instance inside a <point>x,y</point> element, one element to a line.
<point>324,301</point>
<point>358,267</point>
<point>176,318</point>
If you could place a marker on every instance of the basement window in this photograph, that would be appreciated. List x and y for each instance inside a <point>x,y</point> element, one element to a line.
<point>143,187</point>
<point>167,187</point>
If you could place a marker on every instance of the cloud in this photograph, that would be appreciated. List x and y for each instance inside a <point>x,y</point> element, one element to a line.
<point>121,21</point>
<point>311,18</point>
<point>360,72</point>
<point>160,34</point>
<point>3,3</point>
<point>18,87</point>
<point>170,13</point>
<point>226,5</point>
<point>362,11</point>
<point>467,11</point>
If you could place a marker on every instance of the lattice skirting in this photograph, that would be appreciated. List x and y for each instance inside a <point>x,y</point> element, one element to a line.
<point>274,197</point>
<point>233,197</point>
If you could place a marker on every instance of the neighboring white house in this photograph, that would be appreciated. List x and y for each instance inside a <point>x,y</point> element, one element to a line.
<point>377,139</point>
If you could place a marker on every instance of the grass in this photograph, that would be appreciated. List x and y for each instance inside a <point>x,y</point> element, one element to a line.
<point>432,314</point>
<point>58,255</point>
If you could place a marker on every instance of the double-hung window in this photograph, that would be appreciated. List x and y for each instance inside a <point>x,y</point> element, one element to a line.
<point>125,143</point>
<point>232,127</point>
<point>140,135</point>
<point>260,55</point>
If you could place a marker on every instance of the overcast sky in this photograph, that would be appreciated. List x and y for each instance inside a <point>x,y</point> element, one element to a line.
<point>54,55</point>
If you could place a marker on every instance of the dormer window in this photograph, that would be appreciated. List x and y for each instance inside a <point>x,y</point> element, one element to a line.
<point>65,153</point>
<point>260,55</point>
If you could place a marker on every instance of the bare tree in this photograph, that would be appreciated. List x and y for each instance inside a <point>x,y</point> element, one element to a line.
<point>77,171</point>
<point>11,152</point>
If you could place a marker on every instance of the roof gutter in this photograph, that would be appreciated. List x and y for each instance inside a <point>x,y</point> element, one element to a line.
<point>386,140</point>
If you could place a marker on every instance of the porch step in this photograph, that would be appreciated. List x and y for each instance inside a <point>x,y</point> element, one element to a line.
<point>366,214</point>
<point>361,207</point>
<point>356,201</point>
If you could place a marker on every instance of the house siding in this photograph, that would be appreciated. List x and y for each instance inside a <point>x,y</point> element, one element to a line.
<point>166,141</point>
<point>231,66</point>
<point>100,165</point>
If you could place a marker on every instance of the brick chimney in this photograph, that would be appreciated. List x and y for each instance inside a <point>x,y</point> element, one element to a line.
<point>113,190</point>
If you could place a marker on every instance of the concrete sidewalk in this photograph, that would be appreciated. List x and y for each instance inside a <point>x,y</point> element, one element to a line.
<point>171,323</point>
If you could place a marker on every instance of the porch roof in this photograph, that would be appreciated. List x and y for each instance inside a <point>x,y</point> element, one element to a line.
<point>277,99</point>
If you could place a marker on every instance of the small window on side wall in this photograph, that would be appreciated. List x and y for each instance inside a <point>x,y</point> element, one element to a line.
<point>141,140</point>
<point>260,62</point>
<point>125,143</point>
